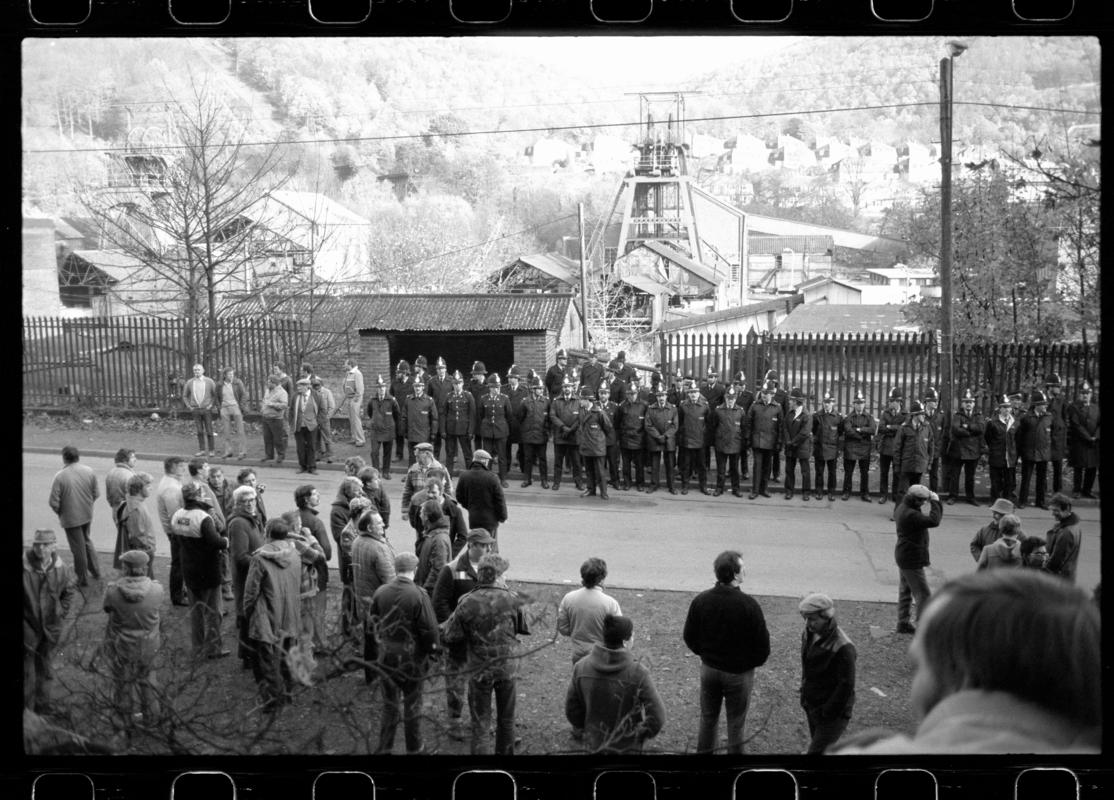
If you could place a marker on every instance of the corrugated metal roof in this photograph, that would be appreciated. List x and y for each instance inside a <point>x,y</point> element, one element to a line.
<point>766,245</point>
<point>447,312</point>
<point>783,303</point>
<point>115,264</point>
<point>646,284</point>
<point>554,265</point>
<point>683,261</point>
<point>821,318</point>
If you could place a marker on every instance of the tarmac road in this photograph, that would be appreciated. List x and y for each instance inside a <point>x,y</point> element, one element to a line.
<point>659,541</point>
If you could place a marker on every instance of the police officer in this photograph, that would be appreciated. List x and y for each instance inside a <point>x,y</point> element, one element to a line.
<point>765,425</point>
<point>782,399</point>
<point>419,418</point>
<point>495,424</point>
<point>632,436</point>
<point>692,438</point>
<point>516,392</point>
<point>744,400</point>
<point>859,428</point>
<point>912,449</point>
<point>439,387</point>
<point>1058,410</point>
<point>827,429</point>
<point>401,388</point>
<point>1034,445</point>
<point>1001,456</point>
<point>936,420</point>
<point>888,424</point>
<point>661,439</point>
<point>591,374</point>
<point>592,433</point>
<point>1084,434</point>
<point>798,444</point>
<point>556,374</point>
<point>729,423</point>
<point>384,417</point>
<point>611,410</point>
<point>965,436</point>
<point>533,430</point>
<point>459,423</point>
<point>564,419</point>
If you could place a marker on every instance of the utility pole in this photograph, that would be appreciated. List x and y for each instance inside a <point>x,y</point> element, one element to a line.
<point>583,276</point>
<point>947,344</point>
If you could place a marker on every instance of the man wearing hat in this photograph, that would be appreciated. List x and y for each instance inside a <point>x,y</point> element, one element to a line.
<point>353,388</point>
<point>533,430</point>
<point>418,472</point>
<point>1034,445</point>
<point>744,400</point>
<point>591,374</point>
<point>827,672</point>
<point>798,444</point>
<point>631,429</point>
<point>965,439</point>
<point>383,416</point>
<point>326,405</point>
<point>1001,445</point>
<point>455,580</point>
<point>201,546</point>
<point>303,423</point>
<point>495,425</point>
<point>937,422</point>
<point>1058,410</point>
<point>728,434</point>
<point>911,551</point>
<point>459,423</point>
<point>827,426</point>
<point>912,448</point>
<point>564,419</point>
<point>481,492</point>
<point>407,632</point>
<point>766,426</point>
<point>402,386</point>
<point>48,593</point>
<point>516,393</point>
<point>692,437</point>
<point>131,637</point>
<point>610,409</point>
<point>888,425</point>
<point>1083,441</point>
<point>781,397</point>
<point>420,372</point>
<point>989,533</point>
<point>477,387</point>
<point>419,419</point>
<point>661,439</point>
<point>488,621</point>
<point>439,387</point>
<point>556,374</point>
<point>859,429</point>
<point>591,439</point>
<point>713,390</point>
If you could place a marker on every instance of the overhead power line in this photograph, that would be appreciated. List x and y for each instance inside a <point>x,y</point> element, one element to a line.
<point>582,126</point>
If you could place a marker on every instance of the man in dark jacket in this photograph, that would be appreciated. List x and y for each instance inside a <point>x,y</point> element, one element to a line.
<point>765,424</point>
<point>407,632</point>
<point>439,387</point>
<point>201,548</point>
<point>48,592</point>
<point>564,419</point>
<point>131,637</point>
<point>912,448</point>
<point>1064,540</point>
<point>661,439</point>
<point>612,697</point>
<point>488,621</point>
<point>454,515</point>
<point>307,499</point>
<point>692,438</point>
<point>610,409</point>
<point>72,493</point>
<point>478,490</point>
<point>455,580</point>
<point>827,672</point>
<point>402,386</point>
<point>631,431</point>
<point>419,419</point>
<point>591,436</point>
<point>533,430</point>
<point>555,376</point>
<point>477,387</point>
<point>1083,442</point>
<point>936,419</point>
<point>1001,451</point>
<point>827,430</point>
<point>781,397</point>
<point>966,435</point>
<point>798,444</point>
<point>911,551</point>
<point>245,536</point>
<point>436,544</point>
<point>1034,445</point>
<point>859,428</point>
<point>591,374</point>
<point>888,424</point>
<point>303,423</point>
<point>459,423</point>
<point>516,393</point>
<point>726,628</point>
<point>729,423</point>
<point>494,412</point>
<point>384,417</point>
<point>1059,433</point>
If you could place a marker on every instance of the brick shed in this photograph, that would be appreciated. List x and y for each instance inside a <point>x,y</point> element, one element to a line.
<point>498,329</point>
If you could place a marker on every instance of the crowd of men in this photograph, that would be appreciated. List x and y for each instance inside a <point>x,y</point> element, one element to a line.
<point>446,601</point>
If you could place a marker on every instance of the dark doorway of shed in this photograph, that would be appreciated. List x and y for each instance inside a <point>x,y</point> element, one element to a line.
<point>460,351</point>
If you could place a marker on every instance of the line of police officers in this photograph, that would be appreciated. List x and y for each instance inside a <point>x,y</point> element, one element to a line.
<point>608,427</point>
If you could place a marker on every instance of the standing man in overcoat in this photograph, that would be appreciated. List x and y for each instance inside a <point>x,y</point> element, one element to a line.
<point>72,493</point>
<point>384,418</point>
<point>827,433</point>
<point>729,431</point>
<point>859,428</point>
<point>495,425</point>
<point>1083,442</point>
<point>533,429</point>
<point>661,439</point>
<point>564,419</point>
<point>459,424</point>
<point>765,423</point>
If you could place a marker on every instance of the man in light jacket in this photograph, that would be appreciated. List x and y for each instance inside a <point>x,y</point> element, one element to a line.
<point>71,497</point>
<point>200,397</point>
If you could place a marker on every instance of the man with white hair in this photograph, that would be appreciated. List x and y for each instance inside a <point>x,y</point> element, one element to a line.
<point>827,672</point>
<point>200,396</point>
<point>911,551</point>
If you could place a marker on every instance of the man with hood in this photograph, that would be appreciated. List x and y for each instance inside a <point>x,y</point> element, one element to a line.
<point>131,638</point>
<point>911,551</point>
<point>273,614</point>
<point>479,491</point>
<point>48,592</point>
<point>612,697</point>
<point>245,536</point>
<point>201,545</point>
<point>827,672</point>
<point>383,417</point>
<point>1006,550</point>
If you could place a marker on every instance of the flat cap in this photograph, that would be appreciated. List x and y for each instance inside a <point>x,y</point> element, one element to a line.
<point>815,602</point>
<point>137,558</point>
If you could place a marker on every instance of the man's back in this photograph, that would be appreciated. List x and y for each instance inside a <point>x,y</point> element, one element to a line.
<point>613,698</point>
<point>580,617</point>
<point>726,628</point>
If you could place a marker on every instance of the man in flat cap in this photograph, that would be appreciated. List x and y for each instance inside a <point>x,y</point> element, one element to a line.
<point>131,638</point>
<point>479,491</point>
<point>911,551</point>
<point>303,423</point>
<point>48,592</point>
<point>827,672</point>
